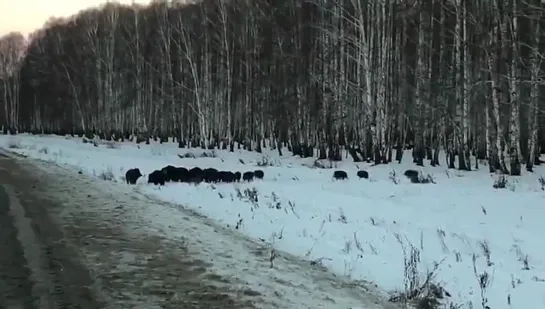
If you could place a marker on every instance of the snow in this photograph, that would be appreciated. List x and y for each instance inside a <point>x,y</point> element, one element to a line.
<point>178,242</point>
<point>356,228</point>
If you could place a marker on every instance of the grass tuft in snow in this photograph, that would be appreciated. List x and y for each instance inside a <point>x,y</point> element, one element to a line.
<point>417,292</point>
<point>483,280</point>
<point>501,182</point>
<point>107,174</point>
<point>14,144</point>
<point>541,181</point>
<point>111,145</point>
<point>204,154</point>
<point>266,161</point>
<point>522,257</point>
<point>209,154</point>
<point>187,155</point>
<point>485,248</point>
<point>393,177</point>
<point>324,164</point>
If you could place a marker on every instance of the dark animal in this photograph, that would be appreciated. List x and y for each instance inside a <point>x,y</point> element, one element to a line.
<point>259,174</point>
<point>170,173</point>
<point>157,178</point>
<point>210,175</point>
<point>180,174</point>
<point>363,174</point>
<point>411,173</point>
<point>132,175</point>
<point>238,176</point>
<point>248,176</point>
<point>196,170</point>
<point>226,176</point>
<point>414,178</point>
<point>195,175</point>
<point>340,175</point>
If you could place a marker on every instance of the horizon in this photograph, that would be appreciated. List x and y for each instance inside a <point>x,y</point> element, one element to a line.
<point>30,15</point>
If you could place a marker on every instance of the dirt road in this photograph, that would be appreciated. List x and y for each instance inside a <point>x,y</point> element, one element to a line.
<point>70,241</point>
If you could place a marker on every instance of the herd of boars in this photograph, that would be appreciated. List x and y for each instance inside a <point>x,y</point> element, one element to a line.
<point>211,175</point>
<point>413,175</point>
<point>194,175</point>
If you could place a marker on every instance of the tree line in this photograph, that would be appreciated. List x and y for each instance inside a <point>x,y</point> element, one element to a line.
<point>316,76</point>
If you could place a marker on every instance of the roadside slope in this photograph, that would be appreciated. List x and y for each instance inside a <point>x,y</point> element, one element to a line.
<point>145,253</point>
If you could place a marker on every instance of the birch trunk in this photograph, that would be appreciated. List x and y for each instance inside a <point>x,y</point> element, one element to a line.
<point>514,126</point>
<point>421,73</point>
<point>381,104</point>
<point>228,69</point>
<point>198,107</point>
<point>533,155</point>
<point>464,154</point>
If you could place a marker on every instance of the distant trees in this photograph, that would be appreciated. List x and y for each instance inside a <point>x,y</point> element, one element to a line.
<point>12,47</point>
<point>317,76</point>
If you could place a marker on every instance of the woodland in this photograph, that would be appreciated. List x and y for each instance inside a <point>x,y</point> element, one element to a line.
<point>316,77</point>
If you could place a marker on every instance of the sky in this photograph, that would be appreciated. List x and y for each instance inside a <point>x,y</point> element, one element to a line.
<point>25,16</point>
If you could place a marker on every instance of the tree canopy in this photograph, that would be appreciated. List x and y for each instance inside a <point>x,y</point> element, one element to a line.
<point>366,76</point>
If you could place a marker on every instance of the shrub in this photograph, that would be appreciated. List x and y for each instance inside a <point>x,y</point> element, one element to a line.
<point>14,144</point>
<point>107,174</point>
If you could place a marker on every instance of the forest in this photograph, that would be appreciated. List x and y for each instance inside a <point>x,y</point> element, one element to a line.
<point>316,77</point>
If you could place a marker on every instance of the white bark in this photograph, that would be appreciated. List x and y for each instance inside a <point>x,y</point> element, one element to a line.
<point>534,96</point>
<point>111,109</point>
<point>228,69</point>
<point>12,48</point>
<point>76,97</point>
<point>198,106</point>
<point>382,104</point>
<point>364,44</point>
<point>514,94</point>
<point>420,91</point>
<point>495,148</point>
<point>464,87</point>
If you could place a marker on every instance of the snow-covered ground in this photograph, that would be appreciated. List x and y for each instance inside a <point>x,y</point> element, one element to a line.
<point>364,229</point>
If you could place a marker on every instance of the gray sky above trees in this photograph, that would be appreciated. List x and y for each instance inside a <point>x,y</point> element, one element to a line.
<point>25,16</point>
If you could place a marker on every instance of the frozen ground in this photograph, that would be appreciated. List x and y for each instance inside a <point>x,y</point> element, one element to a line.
<point>363,229</point>
<point>141,252</point>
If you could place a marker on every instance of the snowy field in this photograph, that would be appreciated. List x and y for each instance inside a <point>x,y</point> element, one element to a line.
<point>482,245</point>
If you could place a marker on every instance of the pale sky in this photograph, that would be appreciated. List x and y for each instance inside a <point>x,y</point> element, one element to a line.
<point>26,16</point>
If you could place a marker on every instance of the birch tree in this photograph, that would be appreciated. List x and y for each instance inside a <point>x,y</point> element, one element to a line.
<point>12,48</point>
<point>332,79</point>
